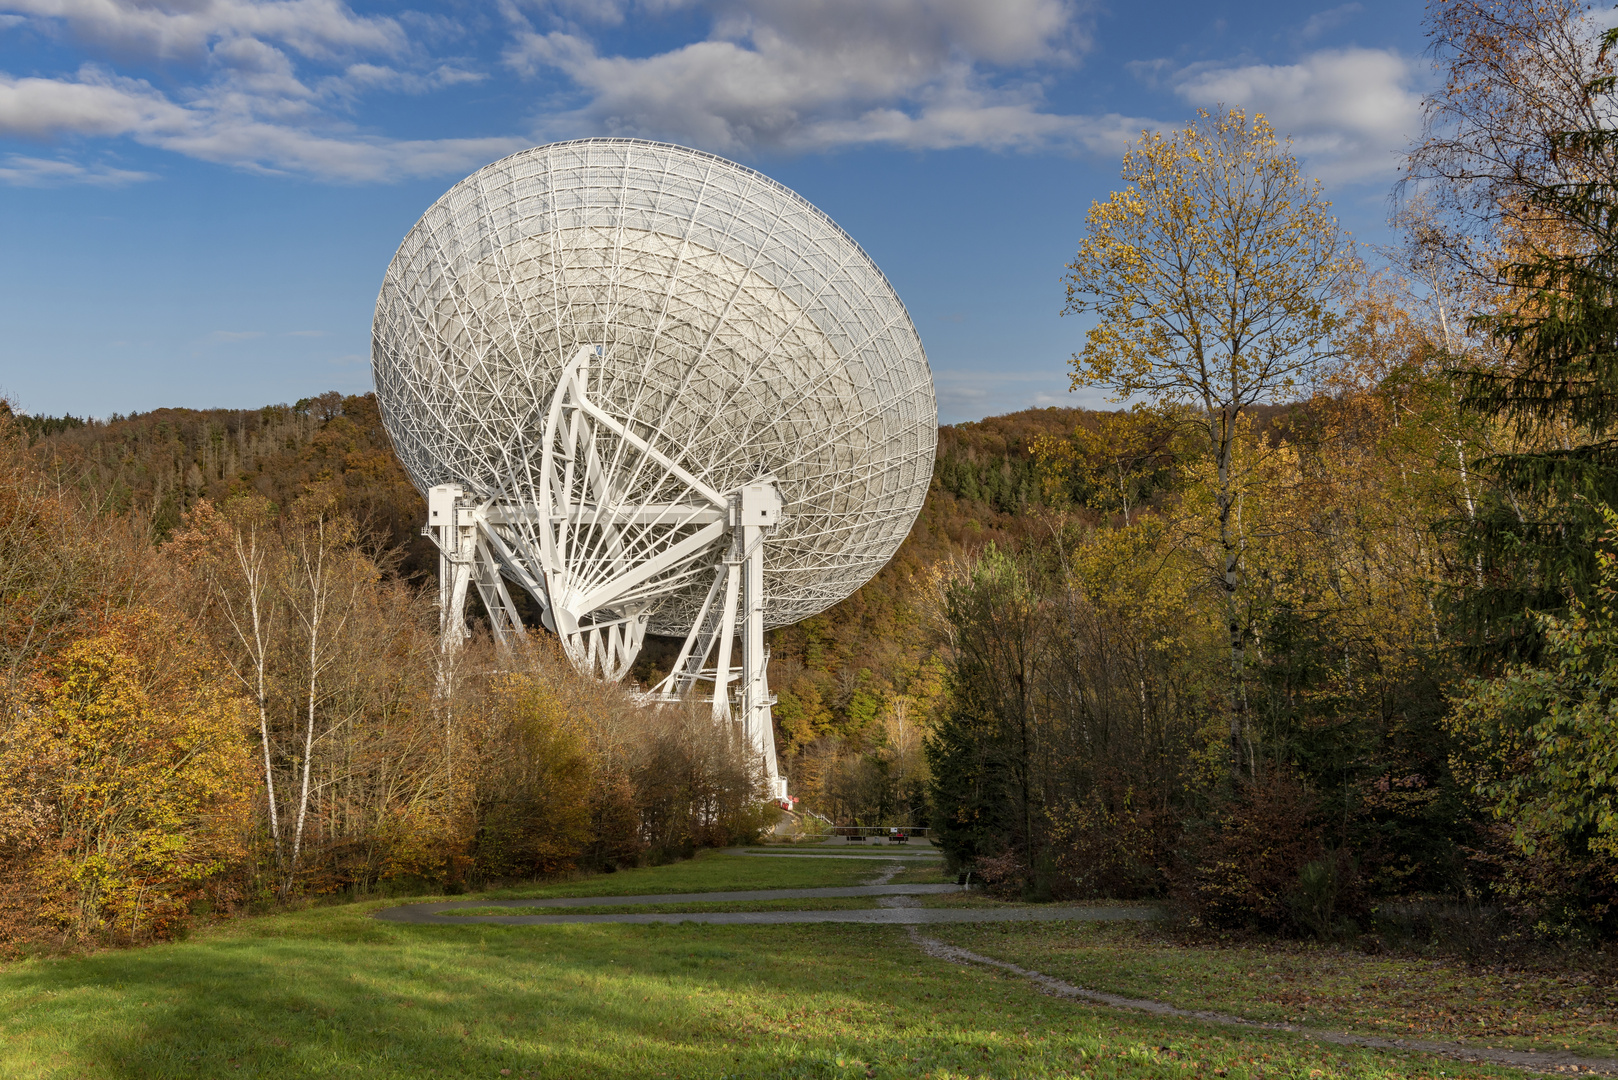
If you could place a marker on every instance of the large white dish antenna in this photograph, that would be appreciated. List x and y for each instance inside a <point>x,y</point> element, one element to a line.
<point>590,353</point>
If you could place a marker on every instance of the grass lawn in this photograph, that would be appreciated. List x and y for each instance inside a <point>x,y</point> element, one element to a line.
<point>1319,986</point>
<point>818,903</point>
<point>869,847</point>
<point>924,874</point>
<point>330,992</point>
<point>710,871</point>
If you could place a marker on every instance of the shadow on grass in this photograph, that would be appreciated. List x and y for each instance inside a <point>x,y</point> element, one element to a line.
<point>369,1000</point>
<point>333,993</point>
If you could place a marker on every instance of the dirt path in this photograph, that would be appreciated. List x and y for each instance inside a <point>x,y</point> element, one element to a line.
<point>1540,1061</point>
<point>861,854</point>
<point>435,913</point>
<point>898,906</point>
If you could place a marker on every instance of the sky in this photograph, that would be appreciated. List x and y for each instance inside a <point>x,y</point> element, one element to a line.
<point>198,198</point>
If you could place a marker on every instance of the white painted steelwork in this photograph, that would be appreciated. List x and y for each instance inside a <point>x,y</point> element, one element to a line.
<point>661,393</point>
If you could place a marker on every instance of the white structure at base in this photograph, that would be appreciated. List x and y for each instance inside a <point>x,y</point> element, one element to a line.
<point>598,552</point>
<point>659,393</point>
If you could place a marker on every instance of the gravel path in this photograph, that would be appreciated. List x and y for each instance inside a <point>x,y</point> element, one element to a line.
<point>873,889</point>
<point>897,909</point>
<point>434,913</point>
<point>869,857</point>
<point>1543,1061</point>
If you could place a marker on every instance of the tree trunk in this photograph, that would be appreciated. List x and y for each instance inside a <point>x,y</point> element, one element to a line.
<point>1230,550</point>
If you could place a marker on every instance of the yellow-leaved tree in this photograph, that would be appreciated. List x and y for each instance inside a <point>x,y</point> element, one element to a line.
<point>133,757</point>
<point>1213,278</point>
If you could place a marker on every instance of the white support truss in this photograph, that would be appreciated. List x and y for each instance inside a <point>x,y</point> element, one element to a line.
<point>618,523</point>
<point>589,353</point>
<point>754,511</point>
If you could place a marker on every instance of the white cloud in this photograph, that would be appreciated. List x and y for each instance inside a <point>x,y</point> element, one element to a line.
<point>905,31</point>
<point>94,104</point>
<point>226,128</point>
<point>20,171</point>
<point>174,28</point>
<point>976,120</point>
<point>275,79</point>
<point>812,74</point>
<point>1351,112</point>
<point>274,148</point>
<point>270,81</point>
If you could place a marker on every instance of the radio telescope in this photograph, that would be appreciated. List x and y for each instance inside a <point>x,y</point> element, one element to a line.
<point>659,392</point>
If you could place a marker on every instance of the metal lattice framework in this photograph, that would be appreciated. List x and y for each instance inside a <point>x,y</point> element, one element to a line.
<point>658,391</point>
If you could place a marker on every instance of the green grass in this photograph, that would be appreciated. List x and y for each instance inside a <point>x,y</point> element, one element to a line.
<point>1317,986</point>
<point>330,992</point>
<point>924,874</point>
<point>869,850</point>
<point>818,903</point>
<point>710,871</point>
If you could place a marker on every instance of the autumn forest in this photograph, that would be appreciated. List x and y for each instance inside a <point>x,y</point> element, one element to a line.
<point>1319,624</point>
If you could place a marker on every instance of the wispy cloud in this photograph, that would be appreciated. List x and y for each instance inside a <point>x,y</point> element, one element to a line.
<point>990,391</point>
<point>1324,22</point>
<point>177,28</point>
<point>226,130</point>
<point>273,86</point>
<point>18,170</point>
<point>235,335</point>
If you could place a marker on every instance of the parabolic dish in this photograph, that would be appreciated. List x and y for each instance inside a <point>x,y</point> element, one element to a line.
<point>738,327</point>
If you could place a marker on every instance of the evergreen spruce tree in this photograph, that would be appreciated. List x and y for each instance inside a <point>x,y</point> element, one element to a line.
<point>1534,536</point>
<point>972,781</point>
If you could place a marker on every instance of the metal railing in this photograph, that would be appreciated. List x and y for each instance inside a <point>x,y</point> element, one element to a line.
<point>864,834</point>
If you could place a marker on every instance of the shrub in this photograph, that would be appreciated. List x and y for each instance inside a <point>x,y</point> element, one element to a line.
<point>1119,851</point>
<point>1241,867</point>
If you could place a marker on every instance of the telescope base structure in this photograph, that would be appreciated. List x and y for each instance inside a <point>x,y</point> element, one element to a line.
<point>607,559</point>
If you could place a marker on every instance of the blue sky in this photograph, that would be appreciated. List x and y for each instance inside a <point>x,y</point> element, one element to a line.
<point>198,198</point>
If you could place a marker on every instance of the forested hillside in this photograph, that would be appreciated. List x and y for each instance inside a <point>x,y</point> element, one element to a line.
<point>221,690</point>
<point>159,464</point>
<point>857,684</point>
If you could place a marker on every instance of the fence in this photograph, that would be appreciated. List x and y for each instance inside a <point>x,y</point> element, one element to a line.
<point>864,834</point>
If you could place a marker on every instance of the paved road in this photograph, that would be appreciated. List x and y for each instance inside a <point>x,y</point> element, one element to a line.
<point>434,913</point>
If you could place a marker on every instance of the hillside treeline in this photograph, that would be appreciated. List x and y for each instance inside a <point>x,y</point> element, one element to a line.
<point>237,705</point>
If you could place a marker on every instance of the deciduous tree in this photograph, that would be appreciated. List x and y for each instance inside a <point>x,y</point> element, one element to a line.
<point>1213,278</point>
<point>135,757</point>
